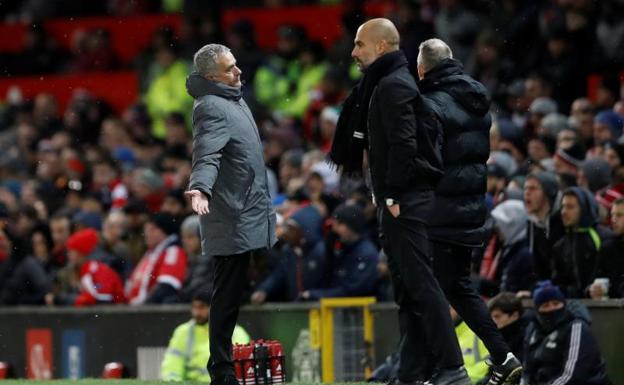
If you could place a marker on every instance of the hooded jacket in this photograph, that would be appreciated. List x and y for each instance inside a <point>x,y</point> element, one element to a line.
<point>542,235</point>
<point>575,254</point>
<point>567,355</point>
<point>228,167</point>
<point>515,270</point>
<point>306,265</point>
<point>462,104</point>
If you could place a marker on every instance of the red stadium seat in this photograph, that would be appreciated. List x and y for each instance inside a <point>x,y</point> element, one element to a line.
<point>6,370</point>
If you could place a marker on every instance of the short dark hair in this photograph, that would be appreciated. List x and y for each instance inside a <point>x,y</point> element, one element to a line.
<point>506,302</point>
<point>203,296</point>
<point>619,201</point>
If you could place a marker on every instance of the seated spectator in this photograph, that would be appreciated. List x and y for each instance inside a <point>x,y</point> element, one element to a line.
<point>511,269</point>
<point>159,275</point>
<point>559,345</point>
<point>611,258</point>
<point>302,259</point>
<point>98,282</point>
<point>189,346</point>
<point>355,258</point>
<point>575,255</point>
<point>541,192</point>
<point>506,311</point>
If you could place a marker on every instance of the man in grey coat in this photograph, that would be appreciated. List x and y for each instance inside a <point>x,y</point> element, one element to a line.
<point>228,189</point>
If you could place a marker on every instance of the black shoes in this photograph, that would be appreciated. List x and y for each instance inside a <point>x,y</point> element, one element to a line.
<point>507,373</point>
<point>451,377</point>
<point>225,380</point>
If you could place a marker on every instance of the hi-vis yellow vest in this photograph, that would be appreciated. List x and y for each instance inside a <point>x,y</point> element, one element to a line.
<point>189,351</point>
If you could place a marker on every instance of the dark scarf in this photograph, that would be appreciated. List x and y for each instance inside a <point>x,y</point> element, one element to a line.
<point>351,136</point>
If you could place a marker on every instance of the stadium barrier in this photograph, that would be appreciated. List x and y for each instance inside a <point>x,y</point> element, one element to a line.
<point>41,342</point>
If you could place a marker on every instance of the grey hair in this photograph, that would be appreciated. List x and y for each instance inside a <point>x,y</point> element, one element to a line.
<point>190,225</point>
<point>431,52</point>
<point>205,59</point>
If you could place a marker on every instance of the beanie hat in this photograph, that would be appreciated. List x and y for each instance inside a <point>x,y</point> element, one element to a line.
<point>543,106</point>
<point>549,183</point>
<point>553,123</point>
<point>598,173</point>
<point>505,160</point>
<point>572,156</point>
<point>613,120</point>
<point>166,222</point>
<point>510,132</point>
<point>88,219</point>
<point>83,241</point>
<point>352,216</point>
<point>545,292</point>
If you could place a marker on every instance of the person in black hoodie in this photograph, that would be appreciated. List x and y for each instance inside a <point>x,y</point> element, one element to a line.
<point>541,190</point>
<point>458,225</point>
<point>559,347</point>
<point>575,255</point>
<point>507,313</point>
<point>404,163</point>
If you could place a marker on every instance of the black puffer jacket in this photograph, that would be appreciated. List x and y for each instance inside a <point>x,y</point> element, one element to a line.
<point>462,104</point>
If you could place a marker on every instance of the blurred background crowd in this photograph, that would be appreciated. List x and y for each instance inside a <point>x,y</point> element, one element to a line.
<point>84,180</point>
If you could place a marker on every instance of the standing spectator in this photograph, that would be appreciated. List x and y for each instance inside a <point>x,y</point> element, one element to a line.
<point>506,311</point>
<point>575,255</point>
<point>354,264</point>
<point>541,197</point>
<point>228,189</point>
<point>559,345</point>
<point>159,275</point>
<point>98,282</point>
<point>611,257</point>
<point>458,223</point>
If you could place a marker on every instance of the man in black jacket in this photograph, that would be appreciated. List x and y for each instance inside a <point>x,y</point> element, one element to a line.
<point>457,227</point>
<point>611,258</point>
<point>404,162</point>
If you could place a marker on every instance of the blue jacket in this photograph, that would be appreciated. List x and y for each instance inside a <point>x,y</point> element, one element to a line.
<point>354,272</point>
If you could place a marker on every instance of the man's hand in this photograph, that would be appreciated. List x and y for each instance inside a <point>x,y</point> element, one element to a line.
<point>199,201</point>
<point>258,297</point>
<point>395,210</point>
<point>596,291</point>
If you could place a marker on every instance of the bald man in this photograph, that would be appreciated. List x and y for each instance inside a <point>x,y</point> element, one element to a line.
<point>384,114</point>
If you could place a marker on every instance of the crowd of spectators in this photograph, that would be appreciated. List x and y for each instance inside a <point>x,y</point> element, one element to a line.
<point>87,192</point>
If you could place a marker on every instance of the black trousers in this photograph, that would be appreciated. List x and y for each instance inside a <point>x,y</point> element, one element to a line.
<point>452,269</point>
<point>230,281</point>
<point>424,317</point>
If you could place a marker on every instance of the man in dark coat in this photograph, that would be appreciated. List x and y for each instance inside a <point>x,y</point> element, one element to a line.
<point>404,164</point>
<point>457,226</point>
<point>541,192</point>
<point>507,313</point>
<point>301,263</point>
<point>575,255</point>
<point>559,347</point>
<point>228,189</point>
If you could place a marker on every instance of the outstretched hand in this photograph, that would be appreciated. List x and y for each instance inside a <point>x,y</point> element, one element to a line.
<point>199,201</point>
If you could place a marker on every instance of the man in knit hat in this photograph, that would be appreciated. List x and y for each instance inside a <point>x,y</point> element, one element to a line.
<point>541,190</point>
<point>98,282</point>
<point>161,272</point>
<point>559,345</point>
<point>567,163</point>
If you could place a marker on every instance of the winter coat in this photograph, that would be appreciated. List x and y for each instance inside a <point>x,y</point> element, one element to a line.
<point>404,146</point>
<point>462,105</point>
<point>306,263</point>
<point>611,264</point>
<point>542,237</point>
<point>568,355</point>
<point>575,255</point>
<point>228,167</point>
<point>513,334</point>
<point>354,272</point>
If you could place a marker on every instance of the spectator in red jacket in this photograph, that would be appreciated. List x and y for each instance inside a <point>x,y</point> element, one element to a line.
<point>98,282</point>
<point>161,272</point>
